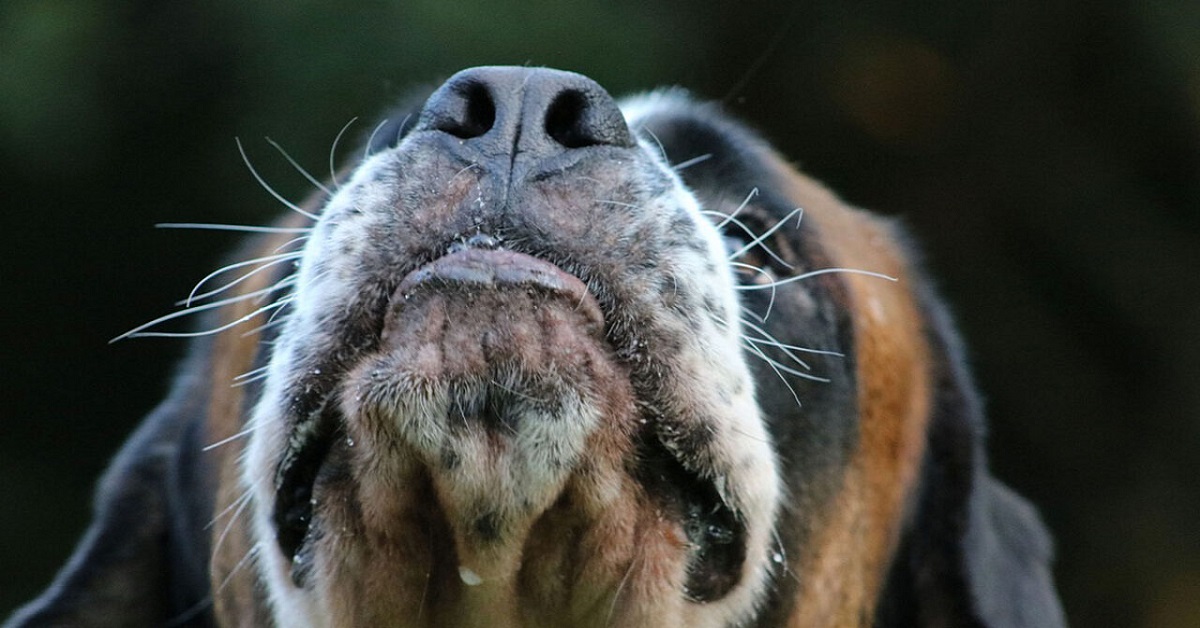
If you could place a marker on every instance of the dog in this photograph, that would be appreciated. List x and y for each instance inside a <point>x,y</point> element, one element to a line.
<point>543,358</point>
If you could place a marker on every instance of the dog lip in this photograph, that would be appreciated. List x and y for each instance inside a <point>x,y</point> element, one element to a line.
<point>474,268</point>
<point>465,268</point>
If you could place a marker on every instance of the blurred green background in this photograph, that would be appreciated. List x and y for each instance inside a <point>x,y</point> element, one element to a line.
<point>1046,154</point>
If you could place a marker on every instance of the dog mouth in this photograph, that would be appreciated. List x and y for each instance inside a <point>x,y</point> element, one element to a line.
<point>463,316</point>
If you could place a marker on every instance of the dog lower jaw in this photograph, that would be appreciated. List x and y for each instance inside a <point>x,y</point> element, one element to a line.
<point>493,465</point>
<point>595,548</point>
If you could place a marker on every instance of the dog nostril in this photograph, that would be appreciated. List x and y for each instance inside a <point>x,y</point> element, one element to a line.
<point>534,113</point>
<point>573,121</point>
<point>565,121</point>
<point>467,112</point>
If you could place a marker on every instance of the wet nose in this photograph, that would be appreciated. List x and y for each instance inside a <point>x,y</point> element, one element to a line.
<point>525,112</point>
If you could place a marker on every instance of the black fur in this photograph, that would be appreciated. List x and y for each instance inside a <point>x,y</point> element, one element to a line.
<point>144,560</point>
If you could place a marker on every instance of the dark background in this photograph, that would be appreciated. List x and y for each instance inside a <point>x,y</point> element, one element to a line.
<point>1046,154</point>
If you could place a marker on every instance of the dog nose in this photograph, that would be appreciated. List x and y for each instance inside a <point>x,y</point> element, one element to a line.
<point>525,112</point>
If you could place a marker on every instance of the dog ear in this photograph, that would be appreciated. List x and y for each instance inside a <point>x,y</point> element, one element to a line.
<point>975,553</point>
<point>137,563</point>
<point>1007,561</point>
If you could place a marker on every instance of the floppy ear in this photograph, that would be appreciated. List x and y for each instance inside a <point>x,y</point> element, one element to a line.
<point>137,563</point>
<point>974,553</point>
<point>1008,556</point>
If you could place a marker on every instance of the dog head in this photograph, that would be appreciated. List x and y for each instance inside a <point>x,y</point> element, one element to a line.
<point>546,359</point>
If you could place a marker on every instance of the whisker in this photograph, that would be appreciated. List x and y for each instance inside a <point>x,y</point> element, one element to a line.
<point>304,173</point>
<point>766,234</point>
<point>466,168</point>
<point>814,273</point>
<point>771,301</point>
<point>241,502</point>
<point>272,321</point>
<point>783,367</point>
<point>612,609</point>
<point>333,152</point>
<point>691,162</point>
<point>286,281</point>
<point>750,232</point>
<point>245,496</point>
<point>186,616</point>
<point>751,313</point>
<point>207,332</point>
<point>221,227</point>
<point>266,186</point>
<point>661,149</point>
<point>617,203</point>
<point>229,439</point>
<point>251,554</point>
<point>266,261</point>
<point>729,218</point>
<point>250,380</point>
<point>424,593</point>
<point>745,202</point>
<point>779,557</point>
<point>375,131</point>
<point>403,125</point>
<point>195,309</point>
<point>252,373</point>
<point>766,336</point>
<point>760,341</point>
<point>786,348</point>
<point>296,240</point>
<point>774,367</point>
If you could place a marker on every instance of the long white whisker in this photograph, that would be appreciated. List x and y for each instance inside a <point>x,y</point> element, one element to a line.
<point>195,309</point>
<point>222,227</point>
<point>661,149</point>
<point>252,553</point>
<point>233,506</point>
<point>333,152</point>
<point>272,320</point>
<point>296,240</point>
<point>814,273</point>
<point>760,341</point>
<point>783,367</point>
<point>304,173</point>
<point>266,261</point>
<point>371,137</point>
<point>772,342</point>
<point>745,202</point>
<point>400,129</point>
<point>728,218</point>
<point>266,186</point>
<point>241,502</point>
<point>771,301</point>
<point>229,439</point>
<point>774,367</point>
<point>765,335</point>
<point>751,313</point>
<point>687,163</point>
<point>766,234</point>
<point>208,332</point>
<point>252,373</point>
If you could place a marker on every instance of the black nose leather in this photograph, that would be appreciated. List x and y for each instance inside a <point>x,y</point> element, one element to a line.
<point>525,112</point>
